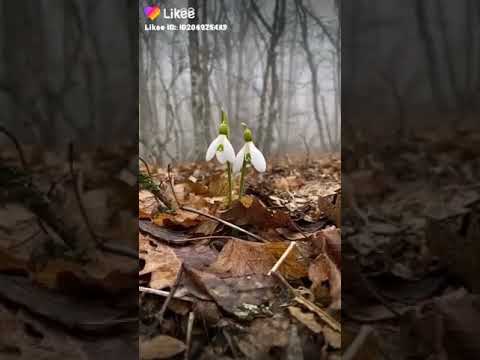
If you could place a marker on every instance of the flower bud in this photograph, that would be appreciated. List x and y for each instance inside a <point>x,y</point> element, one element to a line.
<point>223,129</point>
<point>247,135</point>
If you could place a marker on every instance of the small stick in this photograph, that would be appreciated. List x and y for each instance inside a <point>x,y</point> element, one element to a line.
<point>327,318</point>
<point>164,293</point>
<point>172,185</point>
<point>284,282</point>
<point>170,295</point>
<point>357,343</point>
<point>191,319</point>
<point>282,258</point>
<point>211,217</point>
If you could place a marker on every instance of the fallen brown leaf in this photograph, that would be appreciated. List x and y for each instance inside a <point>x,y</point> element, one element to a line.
<point>242,296</point>
<point>162,262</point>
<point>160,347</point>
<point>240,258</point>
<point>251,211</point>
<point>321,270</point>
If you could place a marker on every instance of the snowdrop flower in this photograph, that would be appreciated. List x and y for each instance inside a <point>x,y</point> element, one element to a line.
<point>249,154</point>
<point>221,146</point>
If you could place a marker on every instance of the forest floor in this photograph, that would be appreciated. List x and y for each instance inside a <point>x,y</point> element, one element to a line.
<point>68,263</point>
<point>413,233</point>
<point>259,279</point>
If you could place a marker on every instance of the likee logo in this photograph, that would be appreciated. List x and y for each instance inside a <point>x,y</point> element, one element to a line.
<point>152,12</point>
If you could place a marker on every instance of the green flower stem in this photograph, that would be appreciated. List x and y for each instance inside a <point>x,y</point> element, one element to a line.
<point>230,187</point>
<point>242,179</point>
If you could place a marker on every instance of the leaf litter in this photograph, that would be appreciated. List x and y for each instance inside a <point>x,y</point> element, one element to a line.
<point>410,231</point>
<point>228,256</point>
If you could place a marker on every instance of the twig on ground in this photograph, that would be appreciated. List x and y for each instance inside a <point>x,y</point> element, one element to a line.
<point>172,184</point>
<point>284,282</point>
<point>164,293</point>
<point>233,226</point>
<point>170,296</point>
<point>357,343</point>
<point>191,319</point>
<point>326,317</point>
<point>282,258</point>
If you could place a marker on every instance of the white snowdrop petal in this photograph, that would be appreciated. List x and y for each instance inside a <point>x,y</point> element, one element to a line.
<point>258,160</point>
<point>212,149</point>
<point>237,164</point>
<point>228,151</point>
<point>221,157</point>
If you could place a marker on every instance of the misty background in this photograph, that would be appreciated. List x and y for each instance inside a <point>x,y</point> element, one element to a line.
<point>408,66</point>
<point>276,68</point>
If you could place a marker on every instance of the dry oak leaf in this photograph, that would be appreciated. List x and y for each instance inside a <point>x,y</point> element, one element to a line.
<point>160,347</point>
<point>251,211</point>
<point>163,265</point>
<point>241,257</point>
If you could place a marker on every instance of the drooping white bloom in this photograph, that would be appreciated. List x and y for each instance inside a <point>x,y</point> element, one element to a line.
<point>222,148</point>
<point>249,152</point>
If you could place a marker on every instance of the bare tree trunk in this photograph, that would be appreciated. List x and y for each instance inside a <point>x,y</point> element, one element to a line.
<point>265,133</point>
<point>195,81</point>
<point>303,21</point>
<point>434,70</point>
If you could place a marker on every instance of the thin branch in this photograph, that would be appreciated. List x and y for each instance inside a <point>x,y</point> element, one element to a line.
<point>260,16</point>
<point>282,258</point>
<point>170,295</point>
<point>163,293</point>
<point>326,317</point>
<point>191,319</point>
<point>226,223</point>
<point>172,185</point>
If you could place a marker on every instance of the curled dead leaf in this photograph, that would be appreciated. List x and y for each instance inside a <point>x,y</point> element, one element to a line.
<point>321,271</point>
<point>162,263</point>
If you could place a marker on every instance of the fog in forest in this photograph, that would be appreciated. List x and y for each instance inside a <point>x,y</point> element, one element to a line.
<point>276,68</point>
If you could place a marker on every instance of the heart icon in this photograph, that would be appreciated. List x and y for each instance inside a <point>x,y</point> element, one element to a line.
<point>152,12</point>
